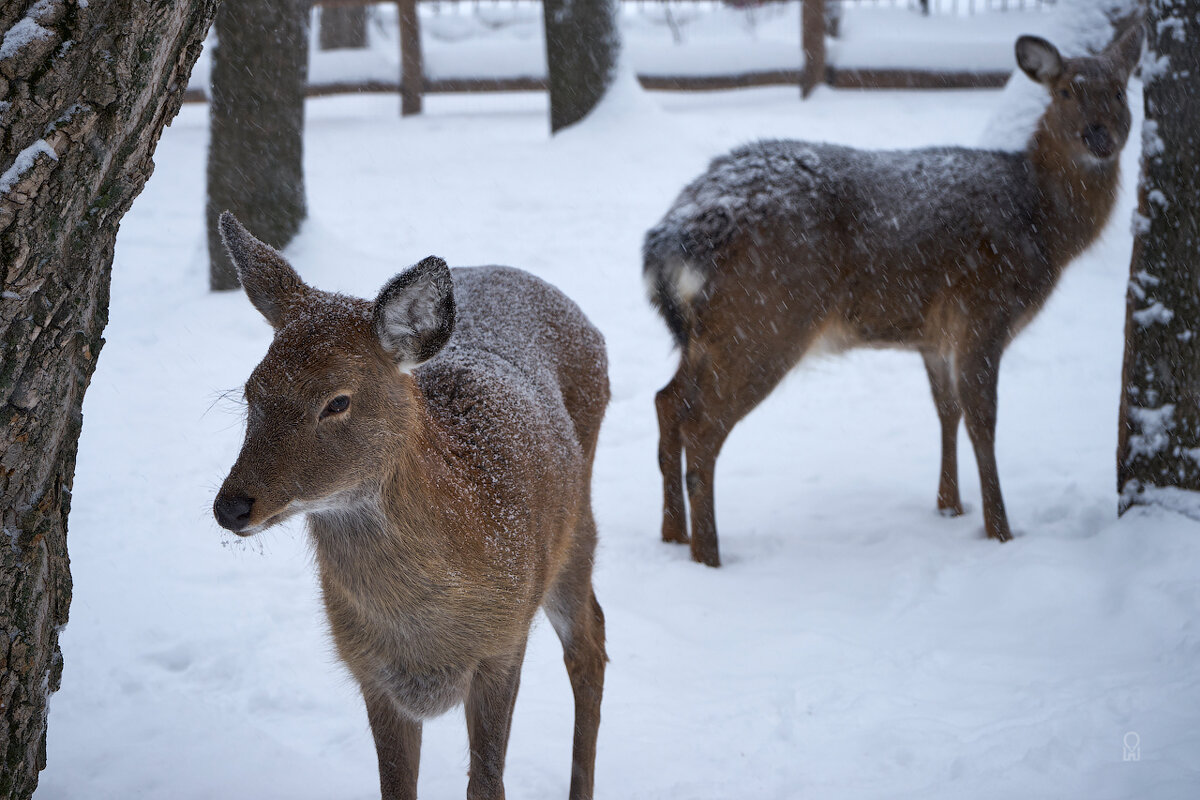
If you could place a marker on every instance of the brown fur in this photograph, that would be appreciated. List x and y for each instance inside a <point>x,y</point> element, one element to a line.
<point>784,245</point>
<point>446,505</point>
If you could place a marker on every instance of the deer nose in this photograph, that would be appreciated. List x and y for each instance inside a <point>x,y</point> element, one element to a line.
<point>233,512</point>
<point>1099,141</point>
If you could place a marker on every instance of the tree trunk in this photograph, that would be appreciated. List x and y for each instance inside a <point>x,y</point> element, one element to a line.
<point>256,113</point>
<point>1159,447</point>
<point>582,44</point>
<point>85,90</point>
<point>812,41</point>
<point>343,27</point>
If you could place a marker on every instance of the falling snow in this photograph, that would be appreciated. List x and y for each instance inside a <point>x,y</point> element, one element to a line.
<point>849,619</point>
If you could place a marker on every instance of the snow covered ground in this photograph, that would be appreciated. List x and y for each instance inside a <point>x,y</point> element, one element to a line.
<point>855,644</point>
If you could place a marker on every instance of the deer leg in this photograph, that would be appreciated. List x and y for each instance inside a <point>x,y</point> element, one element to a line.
<point>978,374</point>
<point>579,622</point>
<point>490,703</point>
<point>397,744</point>
<point>670,404</point>
<point>703,434</point>
<point>945,398</point>
<point>728,387</point>
<point>703,439</point>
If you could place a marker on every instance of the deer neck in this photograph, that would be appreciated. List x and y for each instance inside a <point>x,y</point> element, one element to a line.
<point>1075,196</point>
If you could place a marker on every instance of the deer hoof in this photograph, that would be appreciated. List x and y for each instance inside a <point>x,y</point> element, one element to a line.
<point>674,535</point>
<point>1000,535</point>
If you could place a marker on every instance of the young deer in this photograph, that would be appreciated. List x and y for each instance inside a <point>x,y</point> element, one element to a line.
<point>947,251</point>
<point>440,440</point>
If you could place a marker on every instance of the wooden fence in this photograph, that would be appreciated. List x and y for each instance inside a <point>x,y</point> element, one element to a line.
<point>818,20</point>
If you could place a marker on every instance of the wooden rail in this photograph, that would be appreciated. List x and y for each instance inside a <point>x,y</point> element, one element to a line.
<point>413,85</point>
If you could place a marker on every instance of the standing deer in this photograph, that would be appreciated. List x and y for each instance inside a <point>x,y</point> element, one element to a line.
<point>440,440</point>
<point>947,251</point>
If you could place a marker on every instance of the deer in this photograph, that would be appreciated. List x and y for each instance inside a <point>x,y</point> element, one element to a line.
<point>440,441</point>
<point>783,248</point>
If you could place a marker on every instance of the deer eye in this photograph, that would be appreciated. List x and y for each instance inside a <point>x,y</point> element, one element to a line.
<point>1064,94</point>
<point>336,406</point>
<point>1120,95</point>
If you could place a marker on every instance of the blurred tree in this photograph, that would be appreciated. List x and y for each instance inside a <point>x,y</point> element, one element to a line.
<point>256,122</point>
<point>582,46</point>
<point>85,90</point>
<point>1158,452</point>
<point>343,27</point>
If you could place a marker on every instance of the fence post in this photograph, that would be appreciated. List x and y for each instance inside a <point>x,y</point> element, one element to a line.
<point>412,69</point>
<point>812,39</point>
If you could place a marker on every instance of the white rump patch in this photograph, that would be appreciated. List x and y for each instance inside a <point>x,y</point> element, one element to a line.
<point>689,282</point>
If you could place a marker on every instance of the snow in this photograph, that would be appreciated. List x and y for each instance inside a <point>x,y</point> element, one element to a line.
<point>1175,25</point>
<point>1139,223</point>
<point>25,32</point>
<point>1170,498</point>
<point>896,38</point>
<point>1157,198</point>
<point>1152,143</point>
<point>1152,424</point>
<point>1154,65</point>
<point>854,645</point>
<point>1155,313</point>
<point>506,40</point>
<point>24,162</point>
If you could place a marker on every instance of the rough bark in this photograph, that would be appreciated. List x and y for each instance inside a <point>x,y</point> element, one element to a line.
<point>85,90</point>
<point>1159,437</point>
<point>343,27</point>
<point>582,44</point>
<point>256,118</point>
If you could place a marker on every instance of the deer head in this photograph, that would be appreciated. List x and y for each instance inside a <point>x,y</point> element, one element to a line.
<point>332,401</point>
<point>1088,117</point>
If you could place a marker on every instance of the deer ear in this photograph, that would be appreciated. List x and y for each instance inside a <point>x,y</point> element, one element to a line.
<point>1126,50</point>
<point>414,313</point>
<point>1040,60</point>
<point>270,282</point>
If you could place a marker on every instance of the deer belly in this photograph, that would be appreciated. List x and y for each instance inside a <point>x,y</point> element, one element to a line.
<point>426,691</point>
<point>404,658</point>
<point>882,321</point>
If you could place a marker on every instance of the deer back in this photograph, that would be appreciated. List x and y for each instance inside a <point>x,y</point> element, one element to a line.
<point>897,247</point>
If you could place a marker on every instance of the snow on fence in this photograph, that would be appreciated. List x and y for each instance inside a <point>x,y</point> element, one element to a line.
<point>419,47</point>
